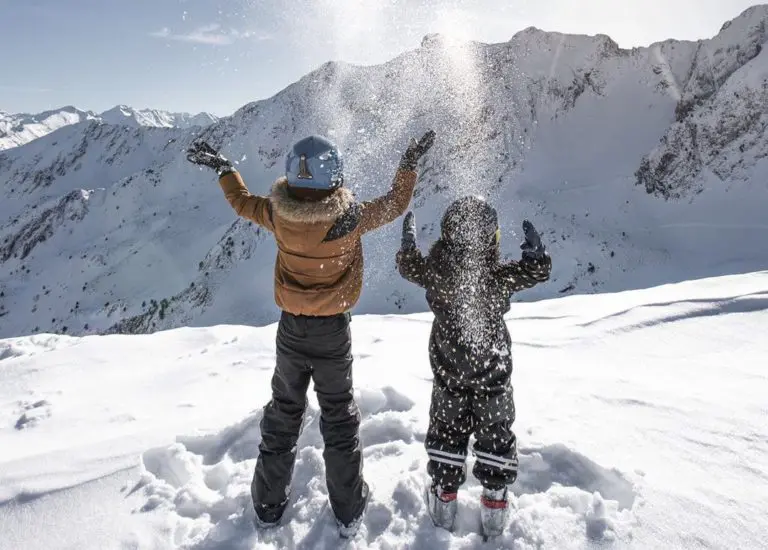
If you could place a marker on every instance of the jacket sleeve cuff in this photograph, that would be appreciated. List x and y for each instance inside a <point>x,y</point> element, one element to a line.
<point>407,164</point>
<point>224,170</point>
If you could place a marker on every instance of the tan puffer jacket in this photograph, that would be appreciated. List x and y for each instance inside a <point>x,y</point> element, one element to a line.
<point>319,266</point>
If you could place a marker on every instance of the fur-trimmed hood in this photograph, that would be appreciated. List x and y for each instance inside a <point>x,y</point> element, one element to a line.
<point>298,211</point>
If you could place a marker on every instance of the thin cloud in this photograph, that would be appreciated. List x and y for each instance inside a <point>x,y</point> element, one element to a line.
<point>211,35</point>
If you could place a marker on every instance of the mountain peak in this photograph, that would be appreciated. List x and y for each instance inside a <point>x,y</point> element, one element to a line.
<point>431,39</point>
<point>753,15</point>
<point>21,128</point>
<point>113,115</point>
<point>126,115</point>
<point>751,19</point>
<point>70,109</point>
<point>18,129</point>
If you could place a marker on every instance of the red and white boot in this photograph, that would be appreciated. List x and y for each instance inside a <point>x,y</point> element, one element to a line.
<point>442,506</point>
<point>494,510</point>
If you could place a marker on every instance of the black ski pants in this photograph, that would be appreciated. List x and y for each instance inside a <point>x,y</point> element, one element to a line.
<point>456,414</point>
<point>320,349</point>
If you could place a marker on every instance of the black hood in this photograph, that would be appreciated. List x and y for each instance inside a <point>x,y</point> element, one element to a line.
<point>469,223</point>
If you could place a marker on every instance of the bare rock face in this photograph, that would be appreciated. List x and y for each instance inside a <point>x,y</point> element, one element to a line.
<point>238,244</point>
<point>70,209</point>
<point>725,136</point>
<point>721,116</point>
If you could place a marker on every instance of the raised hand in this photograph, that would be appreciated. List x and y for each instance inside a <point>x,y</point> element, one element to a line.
<point>532,247</point>
<point>416,150</point>
<point>202,154</point>
<point>409,232</point>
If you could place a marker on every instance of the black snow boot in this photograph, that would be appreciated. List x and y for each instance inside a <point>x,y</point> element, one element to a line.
<point>269,516</point>
<point>349,530</point>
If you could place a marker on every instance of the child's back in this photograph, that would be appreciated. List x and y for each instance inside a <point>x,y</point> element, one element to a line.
<point>468,290</point>
<point>469,300</point>
<point>318,278</point>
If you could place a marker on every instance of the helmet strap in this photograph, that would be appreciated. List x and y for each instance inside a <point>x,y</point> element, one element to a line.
<point>304,173</point>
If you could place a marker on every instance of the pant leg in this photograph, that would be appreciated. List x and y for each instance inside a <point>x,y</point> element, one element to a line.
<point>495,445</point>
<point>331,359</point>
<point>450,425</point>
<point>281,423</point>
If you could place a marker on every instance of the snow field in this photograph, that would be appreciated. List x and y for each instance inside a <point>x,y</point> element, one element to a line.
<point>640,418</point>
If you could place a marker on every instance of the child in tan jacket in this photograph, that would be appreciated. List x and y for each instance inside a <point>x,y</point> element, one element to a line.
<point>318,227</point>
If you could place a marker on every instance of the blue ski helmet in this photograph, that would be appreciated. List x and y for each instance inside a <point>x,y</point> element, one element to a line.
<point>314,163</point>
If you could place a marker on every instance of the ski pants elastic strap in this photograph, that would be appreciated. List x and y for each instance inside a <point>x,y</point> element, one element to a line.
<point>500,462</point>
<point>454,417</point>
<point>317,349</point>
<point>453,459</point>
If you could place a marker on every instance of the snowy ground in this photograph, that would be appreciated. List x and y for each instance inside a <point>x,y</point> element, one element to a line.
<point>641,419</point>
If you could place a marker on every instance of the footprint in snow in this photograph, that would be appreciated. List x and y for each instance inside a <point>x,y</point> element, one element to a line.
<point>32,414</point>
<point>561,498</point>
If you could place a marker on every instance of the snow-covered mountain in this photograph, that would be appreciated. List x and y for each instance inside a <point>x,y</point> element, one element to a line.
<point>639,166</point>
<point>19,129</point>
<point>153,118</point>
<point>22,128</point>
<point>149,442</point>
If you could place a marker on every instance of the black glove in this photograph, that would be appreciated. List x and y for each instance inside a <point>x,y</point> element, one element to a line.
<point>416,150</point>
<point>532,247</point>
<point>409,232</point>
<point>202,154</point>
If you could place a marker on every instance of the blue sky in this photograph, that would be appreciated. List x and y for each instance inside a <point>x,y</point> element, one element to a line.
<point>217,55</point>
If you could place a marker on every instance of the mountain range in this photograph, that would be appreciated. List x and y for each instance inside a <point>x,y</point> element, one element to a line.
<point>639,166</point>
<point>18,129</point>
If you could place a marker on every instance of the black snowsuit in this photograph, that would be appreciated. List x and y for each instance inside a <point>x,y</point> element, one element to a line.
<point>470,356</point>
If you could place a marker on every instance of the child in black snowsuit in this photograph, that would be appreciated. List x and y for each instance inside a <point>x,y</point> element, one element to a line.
<point>468,289</point>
